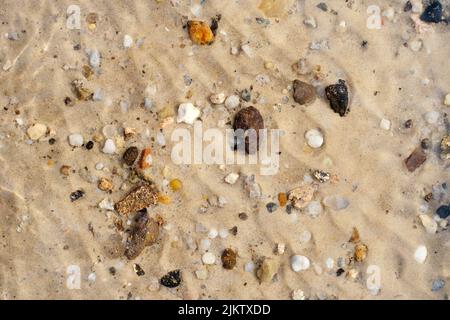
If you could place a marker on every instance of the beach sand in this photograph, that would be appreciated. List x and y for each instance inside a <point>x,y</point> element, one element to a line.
<point>45,237</point>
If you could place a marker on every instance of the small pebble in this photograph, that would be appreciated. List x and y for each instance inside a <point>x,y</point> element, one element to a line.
<point>304,93</point>
<point>213,233</point>
<point>217,98</point>
<point>432,13</point>
<point>76,195</point>
<point>127,41</point>
<point>385,124</point>
<point>337,94</point>
<point>437,285</point>
<point>420,255</point>
<point>429,224</point>
<point>130,155</point>
<point>299,263</point>
<point>187,113</point>
<point>208,258</point>
<point>267,270</point>
<point>228,259</point>
<point>172,279</point>
<point>76,140</point>
<point>36,131</point>
<point>314,138</point>
<point>298,295</point>
<point>415,160</point>
<point>109,147</point>
<point>271,207</point>
<point>249,266</point>
<point>232,102</point>
<point>232,178</point>
<point>443,212</point>
<point>447,99</point>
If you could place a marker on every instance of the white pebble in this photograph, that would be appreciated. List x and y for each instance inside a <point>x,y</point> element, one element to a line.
<point>232,102</point>
<point>281,247</point>
<point>106,204</point>
<point>247,50</point>
<point>127,41</point>
<point>213,233</point>
<point>187,113</point>
<point>314,138</point>
<point>385,124</point>
<point>415,45</point>
<point>299,263</point>
<point>36,131</point>
<point>160,139</point>
<point>298,295</point>
<point>305,236</point>
<point>109,147</point>
<point>420,255</point>
<point>249,266</point>
<point>99,166</point>
<point>94,59</point>
<point>208,258</point>
<point>432,117</point>
<point>92,277</point>
<point>314,209</point>
<point>217,98</point>
<point>205,244</point>
<point>201,274</point>
<point>429,224</point>
<point>329,263</point>
<point>232,178</point>
<point>447,99</point>
<point>310,21</point>
<point>76,140</point>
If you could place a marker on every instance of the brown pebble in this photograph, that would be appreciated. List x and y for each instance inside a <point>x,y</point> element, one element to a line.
<point>105,184</point>
<point>248,119</point>
<point>139,198</point>
<point>65,170</point>
<point>228,259</point>
<point>267,270</point>
<point>360,252</point>
<point>130,155</point>
<point>243,216</point>
<point>304,93</point>
<point>144,233</point>
<point>415,160</point>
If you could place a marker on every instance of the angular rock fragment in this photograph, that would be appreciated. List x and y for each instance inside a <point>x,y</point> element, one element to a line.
<point>144,233</point>
<point>432,13</point>
<point>248,121</point>
<point>301,196</point>
<point>81,92</point>
<point>304,93</point>
<point>172,279</point>
<point>139,198</point>
<point>228,259</point>
<point>415,160</point>
<point>337,94</point>
<point>267,270</point>
<point>200,32</point>
<point>445,148</point>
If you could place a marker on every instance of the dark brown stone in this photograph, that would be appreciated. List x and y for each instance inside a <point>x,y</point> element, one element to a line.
<point>130,155</point>
<point>228,259</point>
<point>415,160</point>
<point>144,233</point>
<point>337,94</point>
<point>250,121</point>
<point>304,93</point>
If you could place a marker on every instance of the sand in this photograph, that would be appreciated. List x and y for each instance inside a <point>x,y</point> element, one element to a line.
<point>43,235</point>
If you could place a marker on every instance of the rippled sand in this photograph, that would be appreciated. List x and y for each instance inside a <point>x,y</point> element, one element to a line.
<point>42,232</point>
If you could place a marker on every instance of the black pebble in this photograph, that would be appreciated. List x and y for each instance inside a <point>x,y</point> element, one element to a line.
<point>432,13</point>
<point>289,209</point>
<point>246,95</point>
<point>322,6</point>
<point>89,145</point>
<point>425,144</point>
<point>172,279</point>
<point>337,94</point>
<point>76,195</point>
<point>130,155</point>
<point>339,272</point>
<point>443,212</point>
<point>271,207</point>
<point>51,141</point>
<point>408,6</point>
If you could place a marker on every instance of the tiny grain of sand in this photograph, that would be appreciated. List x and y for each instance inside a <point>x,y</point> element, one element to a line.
<point>57,242</point>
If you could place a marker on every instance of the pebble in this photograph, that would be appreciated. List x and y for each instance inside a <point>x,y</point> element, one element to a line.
<point>329,263</point>
<point>130,155</point>
<point>432,13</point>
<point>437,285</point>
<point>314,138</point>
<point>445,147</point>
<point>232,178</point>
<point>298,295</point>
<point>213,233</point>
<point>310,21</point>
<point>200,32</point>
<point>443,212</point>
<point>447,99</point>
<point>420,255</point>
<point>127,41</point>
<point>208,258</point>
<point>337,94</point>
<point>106,204</point>
<point>201,274</point>
<point>144,232</point>
<point>76,140</point>
<point>232,102</point>
<point>314,209</point>
<point>281,247</point>
<point>109,147</point>
<point>432,117</point>
<point>249,266</point>
<point>385,124</point>
<point>271,207</point>
<point>76,195</point>
<point>299,263</point>
<point>429,224</point>
<point>301,196</point>
<point>94,58</point>
<point>217,98</point>
<point>36,131</point>
<point>172,279</point>
<point>248,119</point>
<point>416,45</point>
<point>187,113</point>
<point>247,50</point>
<point>205,244</point>
<point>304,93</point>
<point>223,233</point>
<point>336,202</point>
<point>267,270</point>
<point>415,160</point>
<point>305,236</point>
<point>228,259</point>
<point>137,199</point>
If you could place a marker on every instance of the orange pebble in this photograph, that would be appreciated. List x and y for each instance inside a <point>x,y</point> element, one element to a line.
<point>164,199</point>
<point>200,32</point>
<point>282,199</point>
<point>146,158</point>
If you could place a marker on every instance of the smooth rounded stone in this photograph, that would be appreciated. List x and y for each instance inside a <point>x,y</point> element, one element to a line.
<point>228,259</point>
<point>443,212</point>
<point>248,120</point>
<point>76,140</point>
<point>314,138</point>
<point>304,93</point>
<point>130,155</point>
<point>416,45</point>
<point>109,147</point>
<point>432,117</point>
<point>305,236</point>
<point>447,99</point>
<point>36,131</point>
<point>329,263</point>
<point>336,202</point>
<point>249,266</point>
<point>385,124</point>
<point>310,21</point>
<point>208,258</point>
<point>127,41</point>
<point>94,58</point>
<point>267,270</point>
<point>213,233</point>
<point>187,113</point>
<point>99,166</point>
<point>217,98</point>
<point>420,255</point>
<point>429,224</point>
<point>299,263</point>
<point>232,102</point>
<point>271,207</point>
<point>223,233</point>
<point>232,178</point>
<point>314,209</point>
<point>205,244</point>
